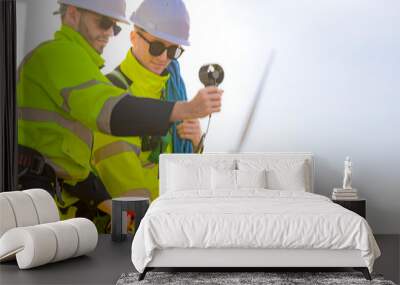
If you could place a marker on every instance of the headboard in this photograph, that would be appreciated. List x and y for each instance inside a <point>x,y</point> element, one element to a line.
<point>214,158</point>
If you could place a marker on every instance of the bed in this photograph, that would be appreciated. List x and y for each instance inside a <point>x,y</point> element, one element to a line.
<point>248,210</point>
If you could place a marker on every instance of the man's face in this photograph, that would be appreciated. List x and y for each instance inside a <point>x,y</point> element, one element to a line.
<point>89,27</point>
<point>140,48</point>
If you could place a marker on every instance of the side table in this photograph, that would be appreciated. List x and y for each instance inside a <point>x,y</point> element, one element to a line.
<point>358,206</point>
<point>119,219</point>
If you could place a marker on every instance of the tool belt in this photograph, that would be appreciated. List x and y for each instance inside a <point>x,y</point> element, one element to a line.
<point>91,192</point>
<point>34,172</point>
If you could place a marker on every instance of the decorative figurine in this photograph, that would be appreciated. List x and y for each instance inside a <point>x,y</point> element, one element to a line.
<point>347,174</point>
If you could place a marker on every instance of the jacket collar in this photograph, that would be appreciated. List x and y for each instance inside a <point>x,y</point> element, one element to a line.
<point>139,75</point>
<point>71,35</point>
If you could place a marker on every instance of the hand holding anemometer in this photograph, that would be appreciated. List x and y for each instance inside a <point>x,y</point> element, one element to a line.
<point>210,75</point>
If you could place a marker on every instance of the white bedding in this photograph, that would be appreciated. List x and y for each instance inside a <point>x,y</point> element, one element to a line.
<point>250,218</point>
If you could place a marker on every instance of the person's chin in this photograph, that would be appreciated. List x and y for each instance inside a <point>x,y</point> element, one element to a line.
<point>100,47</point>
<point>158,69</point>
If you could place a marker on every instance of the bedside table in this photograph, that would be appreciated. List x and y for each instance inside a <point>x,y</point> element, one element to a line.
<point>119,218</point>
<point>358,206</point>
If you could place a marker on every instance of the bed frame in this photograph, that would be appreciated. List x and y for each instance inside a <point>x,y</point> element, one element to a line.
<point>248,259</point>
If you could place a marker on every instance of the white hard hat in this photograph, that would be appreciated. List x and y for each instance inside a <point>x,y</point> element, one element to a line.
<point>165,19</point>
<point>115,9</point>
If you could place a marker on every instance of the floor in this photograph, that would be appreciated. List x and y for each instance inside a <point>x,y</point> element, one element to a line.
<point>110,260</point>
<point>389,262</point>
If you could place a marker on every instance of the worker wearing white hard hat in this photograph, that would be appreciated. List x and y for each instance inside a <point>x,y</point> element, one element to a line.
<point>150,69</point>
<point>63,98</point>
<point>96,20</point>
<point>115,9</point>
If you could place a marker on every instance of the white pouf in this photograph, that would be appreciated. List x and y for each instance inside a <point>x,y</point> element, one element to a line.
<point>67,240</point>
<point>40,244</point>
<point>33,246</point>
<point>7,218</point>
<point>87,234</point>
<point>31,232</point>
<point>46,208</point>
<point>23,208</point>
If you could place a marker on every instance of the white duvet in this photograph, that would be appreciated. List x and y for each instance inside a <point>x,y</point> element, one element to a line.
<point>250,218</point>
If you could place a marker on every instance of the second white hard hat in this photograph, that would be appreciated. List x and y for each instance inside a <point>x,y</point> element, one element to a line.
<point>165,19</point>
<point>115,9</point>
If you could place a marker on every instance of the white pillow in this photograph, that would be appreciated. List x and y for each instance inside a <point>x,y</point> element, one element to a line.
<point>223,179</point>
<point>292,178</point>
<point>251,178</point>
<point>282,174</point>
<point>183,177</point>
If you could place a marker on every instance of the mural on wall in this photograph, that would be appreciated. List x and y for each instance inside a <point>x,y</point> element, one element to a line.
<point>332,90</point>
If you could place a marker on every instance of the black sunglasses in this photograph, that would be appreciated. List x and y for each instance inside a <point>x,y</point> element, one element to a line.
<point>156,48</point>
<point>105,22</point>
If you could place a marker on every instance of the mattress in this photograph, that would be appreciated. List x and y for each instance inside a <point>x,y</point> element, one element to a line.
<point>251,219</point>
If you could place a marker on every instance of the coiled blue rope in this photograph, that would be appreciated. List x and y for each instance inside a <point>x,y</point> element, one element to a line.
<point>176,91</point>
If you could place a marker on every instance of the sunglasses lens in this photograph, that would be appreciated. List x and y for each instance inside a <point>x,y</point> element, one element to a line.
<point>117,29</point>
<point>156,48</point>
<point>105,23</point>
<point>171,52</point>
<point>174,52</point>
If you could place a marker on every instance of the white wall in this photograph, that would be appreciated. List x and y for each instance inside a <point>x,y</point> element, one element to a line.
<point>333,89</point>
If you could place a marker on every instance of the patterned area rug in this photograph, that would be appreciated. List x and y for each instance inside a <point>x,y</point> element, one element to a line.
<point>269,278</point>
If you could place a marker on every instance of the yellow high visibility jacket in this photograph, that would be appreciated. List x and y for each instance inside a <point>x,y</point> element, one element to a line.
<point>120,162</point>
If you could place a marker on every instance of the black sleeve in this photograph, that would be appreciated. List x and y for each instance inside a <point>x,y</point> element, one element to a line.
<point>134,116</point>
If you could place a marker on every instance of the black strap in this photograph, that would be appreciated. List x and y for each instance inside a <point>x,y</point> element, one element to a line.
<point>29,160</point>
<point>91,191</point>
<point>34,172</point>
